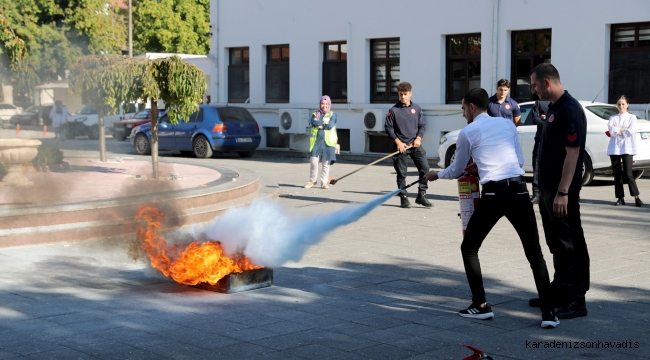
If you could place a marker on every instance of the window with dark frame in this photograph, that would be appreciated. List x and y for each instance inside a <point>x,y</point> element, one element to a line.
<point>384,70</point>
<point>277,74</point>
<point>335,71</point>
<point>629,62</point>
<point>529,49</point>
<point>463,65</point>
<point>238,75</point>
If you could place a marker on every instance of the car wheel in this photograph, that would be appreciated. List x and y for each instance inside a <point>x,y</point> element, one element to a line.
<point>637,174</point>
<point>587,170</point>
<point>121,137</point>
<point>451,154</point>
<point>142,145</point>
<point>93,132</point>
<point>202,148</point>
<point>246,154</point>
<point>68,133</point>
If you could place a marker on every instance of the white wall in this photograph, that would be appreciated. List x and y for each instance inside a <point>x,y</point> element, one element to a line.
<point>580,48</point>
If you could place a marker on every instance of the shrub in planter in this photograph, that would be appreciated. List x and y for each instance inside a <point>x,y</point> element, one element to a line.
<point>46,156</point>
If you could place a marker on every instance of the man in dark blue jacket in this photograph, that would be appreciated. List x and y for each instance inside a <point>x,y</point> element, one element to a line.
<point>405,125</point>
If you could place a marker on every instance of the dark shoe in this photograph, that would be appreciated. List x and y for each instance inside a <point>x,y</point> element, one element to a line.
<point>572,310</point>
<point>549,320</point>
<point>422,200</point>
<point>638,202</point>
<point>620,202</point>
<point>535,199</point>
<point>477,312</point>
<point>404,202</point>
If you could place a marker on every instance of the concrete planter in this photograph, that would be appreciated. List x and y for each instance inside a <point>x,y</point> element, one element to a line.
<point>14,153</point>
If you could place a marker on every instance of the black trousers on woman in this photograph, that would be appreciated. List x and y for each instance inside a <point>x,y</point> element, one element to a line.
<point>507,198</point>
<point>619,177</point>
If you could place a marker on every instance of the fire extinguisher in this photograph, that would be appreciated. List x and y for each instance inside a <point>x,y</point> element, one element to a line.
<point>469,196</point>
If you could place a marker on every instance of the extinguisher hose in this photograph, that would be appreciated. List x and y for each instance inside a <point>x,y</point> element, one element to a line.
<point>413,183</point>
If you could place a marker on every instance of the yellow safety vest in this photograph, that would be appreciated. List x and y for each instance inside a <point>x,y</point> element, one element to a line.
<point>331,139</point>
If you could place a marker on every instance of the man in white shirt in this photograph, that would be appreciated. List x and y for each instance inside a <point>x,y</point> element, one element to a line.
<point>59,115</point>
<point>493,143</point>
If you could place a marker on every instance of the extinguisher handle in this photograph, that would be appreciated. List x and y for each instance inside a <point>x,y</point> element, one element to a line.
<point>413,183</point>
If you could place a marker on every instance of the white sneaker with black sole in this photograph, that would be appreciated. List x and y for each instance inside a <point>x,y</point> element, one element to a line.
<point>477,312</point>
<point>549,320</point>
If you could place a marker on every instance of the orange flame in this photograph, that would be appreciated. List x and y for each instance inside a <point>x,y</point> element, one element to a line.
<point>195,263</point>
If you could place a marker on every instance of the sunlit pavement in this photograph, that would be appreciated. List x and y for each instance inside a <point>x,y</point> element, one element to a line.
<point>387,286</point>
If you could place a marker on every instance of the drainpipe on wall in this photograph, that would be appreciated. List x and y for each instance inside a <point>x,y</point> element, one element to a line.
<point>216,54</point>
<point>495,42</point>
<point>349,32</point>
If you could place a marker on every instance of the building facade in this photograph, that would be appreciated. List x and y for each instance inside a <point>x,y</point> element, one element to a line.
<point>277,57</point>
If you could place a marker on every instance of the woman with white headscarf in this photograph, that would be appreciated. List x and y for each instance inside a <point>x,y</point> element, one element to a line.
<point>322,142</point>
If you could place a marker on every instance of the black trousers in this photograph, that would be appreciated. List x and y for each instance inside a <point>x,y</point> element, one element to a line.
<point>566,241</point>
<point>619,177</point>
<point>419,157</point>
<point>535,172</point>
<point>509,199</point>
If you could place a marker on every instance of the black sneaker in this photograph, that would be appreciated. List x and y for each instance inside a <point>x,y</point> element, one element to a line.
<point>422,200</point>
<point>637,202</point>
<point>404,202</point>
<point>477,312</point>
<point>549,320</point>
<point>572,310</point>
<point>619,202</point>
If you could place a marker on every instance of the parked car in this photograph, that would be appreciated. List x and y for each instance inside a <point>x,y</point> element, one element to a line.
<point>122,129</point>
<point>220,129</point>
<point>7,111</point>
<point>596,160</point>
<point>85,122</point>
<point>33,115</point>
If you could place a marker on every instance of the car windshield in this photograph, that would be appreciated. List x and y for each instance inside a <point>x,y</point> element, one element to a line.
<point>86,110</point>
<point>603,111</point>
<point>234,114</point>
<point>32,109</point>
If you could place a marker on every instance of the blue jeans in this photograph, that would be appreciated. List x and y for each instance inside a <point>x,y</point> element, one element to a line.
<point>58,133</point>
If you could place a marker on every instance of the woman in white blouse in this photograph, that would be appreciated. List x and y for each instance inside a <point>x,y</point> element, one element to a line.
<point>622,147</point>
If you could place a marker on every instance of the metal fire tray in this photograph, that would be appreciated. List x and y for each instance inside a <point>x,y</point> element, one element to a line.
<point>238,282</point>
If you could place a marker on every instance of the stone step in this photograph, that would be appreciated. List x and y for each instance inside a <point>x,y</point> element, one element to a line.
<point>121,227</point>
<point>233,184</point>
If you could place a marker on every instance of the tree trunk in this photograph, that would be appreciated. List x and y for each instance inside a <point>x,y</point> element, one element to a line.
<point>100,130</point>
<point>154,138</point>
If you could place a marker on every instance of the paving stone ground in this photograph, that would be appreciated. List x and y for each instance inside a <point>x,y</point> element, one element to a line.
<point>385,287</point>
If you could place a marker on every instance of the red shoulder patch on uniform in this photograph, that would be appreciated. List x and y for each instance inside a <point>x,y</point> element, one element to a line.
<point>388,113</point>
<point>572,137</point>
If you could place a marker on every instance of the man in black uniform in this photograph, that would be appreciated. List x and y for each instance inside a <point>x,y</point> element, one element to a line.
<point>405,125</point>
<point>536,116</point>
<point>561,153</point>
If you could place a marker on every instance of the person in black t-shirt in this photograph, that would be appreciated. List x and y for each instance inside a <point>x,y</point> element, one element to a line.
<point>561,153</point>
<point>405,125</point>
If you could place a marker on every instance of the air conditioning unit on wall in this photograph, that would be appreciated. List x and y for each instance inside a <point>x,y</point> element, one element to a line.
<point>373,119</point>
<point>294,121</point>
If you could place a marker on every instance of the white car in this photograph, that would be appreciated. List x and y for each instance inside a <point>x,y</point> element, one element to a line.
<point>85,121</point>
<point>596,160</point>
<point>7,111</point>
